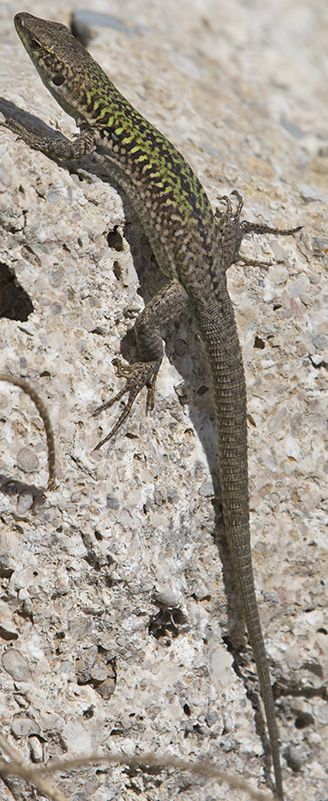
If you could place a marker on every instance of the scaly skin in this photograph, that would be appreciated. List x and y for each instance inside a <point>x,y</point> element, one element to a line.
<point>193,247</point>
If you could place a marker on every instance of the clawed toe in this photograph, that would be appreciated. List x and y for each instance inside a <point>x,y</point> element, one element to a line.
<point>137,376</point>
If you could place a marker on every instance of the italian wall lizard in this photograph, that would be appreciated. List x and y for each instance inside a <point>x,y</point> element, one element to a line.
<point>194,247</point>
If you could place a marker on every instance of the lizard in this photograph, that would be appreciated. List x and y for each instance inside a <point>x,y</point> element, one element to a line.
<point>194,247</point>
<point>29,390</point>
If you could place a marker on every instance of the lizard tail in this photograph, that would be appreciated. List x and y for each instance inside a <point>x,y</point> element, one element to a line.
<point>223,347</point>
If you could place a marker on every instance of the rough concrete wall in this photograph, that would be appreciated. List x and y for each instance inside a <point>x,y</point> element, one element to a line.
<point>113,598</point>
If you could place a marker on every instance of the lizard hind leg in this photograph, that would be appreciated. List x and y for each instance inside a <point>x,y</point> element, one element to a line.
<point>137,376</point>
<point>167,303</point>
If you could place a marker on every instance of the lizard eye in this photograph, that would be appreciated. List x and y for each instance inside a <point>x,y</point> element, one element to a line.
<point>58,80</point>
<point>35,44</point>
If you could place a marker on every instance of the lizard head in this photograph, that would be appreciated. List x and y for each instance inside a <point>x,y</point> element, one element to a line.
<point>61,60</point>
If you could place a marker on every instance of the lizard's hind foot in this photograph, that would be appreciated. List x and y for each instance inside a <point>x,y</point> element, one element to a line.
<point>138,375</point>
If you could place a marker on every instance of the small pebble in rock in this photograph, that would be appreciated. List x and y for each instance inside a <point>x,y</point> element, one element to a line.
<point>36,749</point>
<point>112,503</point>
<point>294,758</point>
<point>27,460</point>
<point>24,502</point>
<point>16,665</point>
<point>22,726</point>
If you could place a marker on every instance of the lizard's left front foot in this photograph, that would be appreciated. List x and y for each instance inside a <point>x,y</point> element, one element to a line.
<point>137,376</point>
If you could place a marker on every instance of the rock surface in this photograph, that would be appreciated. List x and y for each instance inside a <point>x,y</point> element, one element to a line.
<point>113,602</point>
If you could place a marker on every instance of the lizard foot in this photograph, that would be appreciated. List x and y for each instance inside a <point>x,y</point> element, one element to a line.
<point>137,376</point>
<point>246,226</point>
<point>231,231</point>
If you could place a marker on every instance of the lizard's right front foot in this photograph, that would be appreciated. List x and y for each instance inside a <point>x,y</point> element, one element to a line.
<point>137,376</point>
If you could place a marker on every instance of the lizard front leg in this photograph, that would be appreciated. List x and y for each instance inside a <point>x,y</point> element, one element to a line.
<point>82,145</point>
<point>166,304</point>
